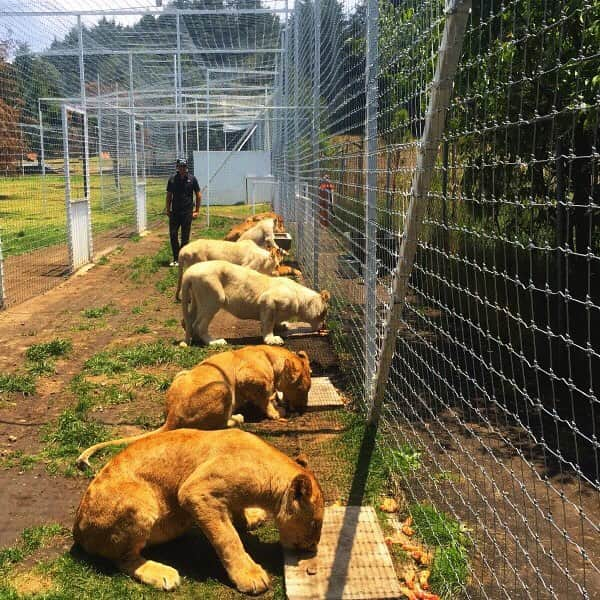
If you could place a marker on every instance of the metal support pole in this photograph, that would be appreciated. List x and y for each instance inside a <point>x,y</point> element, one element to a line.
<point>132,135</point>
<point>42,153</point>
<point>82,93</point>
<point>298,216</point>
<point>457,14</point>
<point>117,175</point>
<point>207,191</point>
<point>315,138</point>
<point>370,177</point>
<point>284,77</point>
<point>175,80</point>
<point>179,81</point>
<point>197,129</point>
<point>100,144</point>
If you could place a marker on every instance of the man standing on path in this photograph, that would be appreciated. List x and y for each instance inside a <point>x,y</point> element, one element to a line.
<point>180,206</point>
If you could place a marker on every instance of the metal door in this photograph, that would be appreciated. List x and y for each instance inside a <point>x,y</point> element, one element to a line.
<point>77,185</point>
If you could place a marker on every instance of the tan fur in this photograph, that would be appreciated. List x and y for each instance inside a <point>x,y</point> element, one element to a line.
<point>245,253</point>
<point>207,396</point>
<point>246,294</point>
<point>262,233</point>
<point>158,488</point>
<point>237,230</point>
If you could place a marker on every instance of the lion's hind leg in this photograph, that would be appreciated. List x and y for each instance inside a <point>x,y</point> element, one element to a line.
<point>117,523</point>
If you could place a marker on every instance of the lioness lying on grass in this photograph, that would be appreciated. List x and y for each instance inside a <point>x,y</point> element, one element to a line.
<point>209,395</point>
<point>157,488</point>
<point>246,294</point>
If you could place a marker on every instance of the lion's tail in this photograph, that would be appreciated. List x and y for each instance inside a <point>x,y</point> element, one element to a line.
<point>84,458</point>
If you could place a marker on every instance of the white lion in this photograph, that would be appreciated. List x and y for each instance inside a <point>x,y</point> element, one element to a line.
<point>245,253</point>
<point>246,294</point>
<point>262,234</point>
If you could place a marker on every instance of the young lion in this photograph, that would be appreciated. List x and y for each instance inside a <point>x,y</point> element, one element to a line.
<point>207,396</point>
<point>261,233</point>
<point>237,230</point>
<point>245,253</point>
<point>157,488</point>
<point>246,294</point>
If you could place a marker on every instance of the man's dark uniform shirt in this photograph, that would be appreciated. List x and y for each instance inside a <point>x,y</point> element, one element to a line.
<point>183,189</point>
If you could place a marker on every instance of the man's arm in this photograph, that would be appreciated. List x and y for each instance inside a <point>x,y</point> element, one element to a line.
<point>168,203</point>
<point>198,198</point>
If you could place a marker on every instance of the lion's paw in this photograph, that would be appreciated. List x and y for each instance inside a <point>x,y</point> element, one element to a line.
<point>274,340</point>
<point>255,517</point>
<point>251,580</point>
<point>158,575</point>
<point>235,421</point>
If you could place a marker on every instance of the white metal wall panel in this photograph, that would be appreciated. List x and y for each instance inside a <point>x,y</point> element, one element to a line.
<point>229,172</point>
<point>80,226</point>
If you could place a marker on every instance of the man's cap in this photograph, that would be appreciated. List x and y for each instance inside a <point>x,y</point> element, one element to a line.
<point>181,162</point>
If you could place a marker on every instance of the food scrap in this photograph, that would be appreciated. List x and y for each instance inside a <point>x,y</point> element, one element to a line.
<point>389,505</point>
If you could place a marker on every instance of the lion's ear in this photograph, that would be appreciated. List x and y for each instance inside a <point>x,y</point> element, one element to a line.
<point>325,295</point>
<point>302,460</point>
<point>301,488</point>
<point>302,355</point>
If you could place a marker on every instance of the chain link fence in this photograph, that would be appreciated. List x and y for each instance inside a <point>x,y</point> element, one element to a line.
<point>491,382</point>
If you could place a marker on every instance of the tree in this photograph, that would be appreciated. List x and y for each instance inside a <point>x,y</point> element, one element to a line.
<point>11,143</point>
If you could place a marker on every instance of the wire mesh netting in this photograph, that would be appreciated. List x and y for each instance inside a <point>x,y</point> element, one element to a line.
<point>490,412</point>
<point>492,380</point>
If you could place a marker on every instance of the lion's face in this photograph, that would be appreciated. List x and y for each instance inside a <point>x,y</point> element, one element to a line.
<point>295,384</point>
<point>301,518</point>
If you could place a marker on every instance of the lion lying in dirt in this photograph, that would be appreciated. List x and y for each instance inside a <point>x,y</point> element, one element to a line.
<point>246,294</point>
<point>245,253</point>
<point>157,488</point>
<point>237,230</point>
<point>207,396</point>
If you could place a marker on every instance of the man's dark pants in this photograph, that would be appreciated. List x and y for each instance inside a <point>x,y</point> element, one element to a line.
<point>177,220</point>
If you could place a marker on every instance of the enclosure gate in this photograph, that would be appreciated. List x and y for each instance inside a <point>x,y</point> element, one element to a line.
<point>77,199</point>
<point>139,176</point>
<point>261,190</point>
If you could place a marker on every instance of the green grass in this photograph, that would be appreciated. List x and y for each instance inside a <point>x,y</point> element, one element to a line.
<point>450,568</point>
<point>142,329</point>
<point>32,212</point>
<point>40,356</point>
<point>15,383</point>
<point>99,311</point>
<point>121,360</point>
<point>31,540</point>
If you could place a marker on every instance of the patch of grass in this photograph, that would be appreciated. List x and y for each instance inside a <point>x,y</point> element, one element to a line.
<point>31,540</point>
<point>103,260</point>
<point>404,460</point>
<point>40,356</point>
<point>142,329</point>
<point>121,360</point>
<point>15,383</point>
<point>137,310</point>
<point>57,347</point>
<point>450,568</point>
<point>70,433</point>
<point>172,322</point>
<point>99,312</point>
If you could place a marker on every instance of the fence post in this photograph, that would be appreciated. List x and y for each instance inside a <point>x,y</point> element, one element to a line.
<point>207,191</point>
<point>117,175</point>
<point>315,138</point>
<point>370,176</point>
<point>2,289</point>
<point>457,14</point>
<point>99,102</point>
<point>42,152</point>
<point>284,112</point>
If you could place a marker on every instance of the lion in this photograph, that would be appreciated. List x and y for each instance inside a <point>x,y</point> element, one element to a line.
<point>237,230</point>
<point>261,233</point>
<point>207,396</point>
<point>246,294</point>
<point>158,488</point>
<point>245,253</point>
